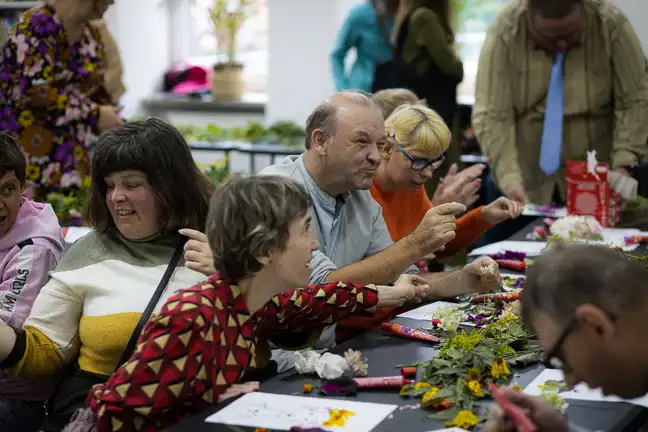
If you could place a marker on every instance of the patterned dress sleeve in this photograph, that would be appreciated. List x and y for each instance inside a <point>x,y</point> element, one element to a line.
<point>312,308</point>
<point>33,85</point>
<point>186,357</point>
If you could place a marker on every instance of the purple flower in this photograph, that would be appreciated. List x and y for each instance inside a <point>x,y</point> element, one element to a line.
<point>510,255</point>
<point>8,121</point>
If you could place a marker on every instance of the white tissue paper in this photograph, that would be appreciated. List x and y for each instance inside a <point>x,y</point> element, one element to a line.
<point>326,366</point>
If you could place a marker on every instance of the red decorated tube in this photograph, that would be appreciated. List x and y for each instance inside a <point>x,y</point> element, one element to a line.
<point>408,371</point>
<point>383,382</point>
<point>507,297</point>
<point>409,332</point>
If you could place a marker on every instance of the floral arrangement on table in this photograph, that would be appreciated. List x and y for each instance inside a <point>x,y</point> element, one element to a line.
<point>286,133</point>
<point>456,379</point>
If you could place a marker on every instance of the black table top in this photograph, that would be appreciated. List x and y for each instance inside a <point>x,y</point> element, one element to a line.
<point>384,351</point>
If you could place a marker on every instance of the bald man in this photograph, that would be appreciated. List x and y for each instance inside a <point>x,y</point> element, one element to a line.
<point>344,137</point>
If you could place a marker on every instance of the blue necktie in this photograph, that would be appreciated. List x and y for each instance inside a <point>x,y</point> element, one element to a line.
<point>553,123</point>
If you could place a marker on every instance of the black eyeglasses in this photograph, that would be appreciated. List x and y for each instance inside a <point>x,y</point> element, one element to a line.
<point>418,164</point>
<point>555,358</point>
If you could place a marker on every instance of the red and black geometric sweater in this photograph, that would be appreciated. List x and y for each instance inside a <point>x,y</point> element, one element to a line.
<point>202,342</point>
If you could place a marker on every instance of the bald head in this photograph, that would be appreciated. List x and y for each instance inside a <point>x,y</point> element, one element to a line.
<point>324,116</point>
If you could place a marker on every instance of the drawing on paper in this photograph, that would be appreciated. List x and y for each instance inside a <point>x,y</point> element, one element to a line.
<point>338,418</point>
<point>304,416</point>
<point>282,412</point>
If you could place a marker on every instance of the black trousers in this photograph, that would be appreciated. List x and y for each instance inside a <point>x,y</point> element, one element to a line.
<point>21,416</point>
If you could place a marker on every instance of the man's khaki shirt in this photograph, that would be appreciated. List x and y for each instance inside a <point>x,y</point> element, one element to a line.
<point>606,97</point>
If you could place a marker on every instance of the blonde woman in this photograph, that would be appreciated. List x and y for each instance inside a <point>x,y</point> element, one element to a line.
<point>417,140</point>
<point>455,185</point>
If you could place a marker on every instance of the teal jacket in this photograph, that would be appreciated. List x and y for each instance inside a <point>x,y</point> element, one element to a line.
<point>361,30</point>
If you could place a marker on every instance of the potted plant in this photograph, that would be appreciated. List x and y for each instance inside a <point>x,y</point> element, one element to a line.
<point>228,17</point>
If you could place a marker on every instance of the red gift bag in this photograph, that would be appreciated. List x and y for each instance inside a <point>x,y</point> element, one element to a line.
<point>590,194</point>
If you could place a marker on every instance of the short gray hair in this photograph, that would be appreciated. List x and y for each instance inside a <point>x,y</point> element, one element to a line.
<point>568,276</point>
<point>249,218</point>
<point>324,116</point>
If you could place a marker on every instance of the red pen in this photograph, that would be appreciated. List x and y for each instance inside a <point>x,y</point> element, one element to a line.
<point>513,412</point>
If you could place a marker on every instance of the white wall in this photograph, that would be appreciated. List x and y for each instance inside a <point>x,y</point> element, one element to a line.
<point>141,29</point>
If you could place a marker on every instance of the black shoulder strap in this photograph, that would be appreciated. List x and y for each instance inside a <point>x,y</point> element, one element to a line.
<point>383,26</point>
<point>132,342</point>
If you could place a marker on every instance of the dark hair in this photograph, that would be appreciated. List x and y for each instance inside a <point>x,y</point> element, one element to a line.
<point>553,9</point>
<point>12,157</point>
<point>566,277</point>
<point>249,218</point>
<point>157,149</point>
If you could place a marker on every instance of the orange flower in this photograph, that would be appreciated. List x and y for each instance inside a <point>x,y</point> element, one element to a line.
<point>36,140</point>
<point>308,388</point>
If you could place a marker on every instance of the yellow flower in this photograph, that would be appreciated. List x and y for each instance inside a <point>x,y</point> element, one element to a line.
<point>475,388</point>
<point>89,66</point>
<point>32,172</point>
<point>517,388</point>
<point>221,163</point>
<point>47,72</point>
<point>87,181</point>
<point>429,399</point>
<point>421,385</point>
<point>62,102</point>
<point>500,369</point>
<point>338,418</point>
<point>26,119</point>
<point>474,374</point>
<point>464,420</point>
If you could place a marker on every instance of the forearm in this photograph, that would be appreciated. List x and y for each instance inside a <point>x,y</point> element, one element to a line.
<point>382,268</point>
<point>444,285</point>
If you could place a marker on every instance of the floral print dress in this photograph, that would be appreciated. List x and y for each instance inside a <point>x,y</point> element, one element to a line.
<point>50,93</point>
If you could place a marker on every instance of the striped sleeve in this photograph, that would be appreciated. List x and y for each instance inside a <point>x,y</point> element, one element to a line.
<point>493,118</point>
<point>630,83</point>
<point>21,281</point>
<point>50,337</point>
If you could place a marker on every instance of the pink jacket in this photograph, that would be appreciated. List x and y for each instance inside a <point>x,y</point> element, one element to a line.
<point>28,252</point>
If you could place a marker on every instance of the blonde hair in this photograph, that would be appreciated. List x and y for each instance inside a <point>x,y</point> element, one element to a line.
<point>390,99</point>
<point>417,127</point>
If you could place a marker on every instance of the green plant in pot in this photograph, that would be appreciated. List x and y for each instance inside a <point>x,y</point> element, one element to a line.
<point>228,16</point>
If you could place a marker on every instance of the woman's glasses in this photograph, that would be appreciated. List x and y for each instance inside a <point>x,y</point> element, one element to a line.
<point>418,164</point>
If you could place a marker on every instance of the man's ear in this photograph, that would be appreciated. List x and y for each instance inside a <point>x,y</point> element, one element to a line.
<point>318,141</point>
<point>265,260</point>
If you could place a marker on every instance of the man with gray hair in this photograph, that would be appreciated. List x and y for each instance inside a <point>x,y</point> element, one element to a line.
<point>588,305</point>
<point>345,134</point>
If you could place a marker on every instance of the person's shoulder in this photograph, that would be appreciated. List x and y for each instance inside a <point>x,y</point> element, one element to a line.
<point>287,168</point>
<point>43,17</point>
<point>423,14</point>
<point>507,21</point>
<point>361,11</point>
<point>608,13</point>
<point>85,251</point>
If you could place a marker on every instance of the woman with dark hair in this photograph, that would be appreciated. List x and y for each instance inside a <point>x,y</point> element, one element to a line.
<point>145,187</point>
<point>52,92</point>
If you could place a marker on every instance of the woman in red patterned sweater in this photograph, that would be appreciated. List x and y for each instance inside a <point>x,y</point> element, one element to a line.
<point>205,338</point>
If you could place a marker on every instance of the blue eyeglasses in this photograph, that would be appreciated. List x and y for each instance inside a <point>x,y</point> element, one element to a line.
<point>418,164</point>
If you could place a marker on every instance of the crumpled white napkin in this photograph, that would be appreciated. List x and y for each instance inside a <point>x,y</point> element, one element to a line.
<point>326,366</point>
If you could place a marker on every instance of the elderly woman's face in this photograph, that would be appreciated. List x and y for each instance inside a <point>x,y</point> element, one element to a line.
<point>132,204</point>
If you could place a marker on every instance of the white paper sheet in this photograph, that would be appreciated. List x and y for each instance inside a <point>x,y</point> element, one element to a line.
<point>275,411</point>
<point>528,247</point>
<point>428,311</point>
<point>532,210</point>
<point>580,392</point>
